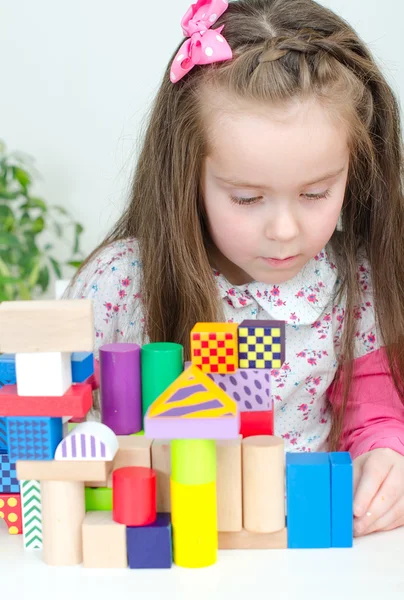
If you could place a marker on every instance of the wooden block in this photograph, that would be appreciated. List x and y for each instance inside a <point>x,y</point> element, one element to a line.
<point>261,344</point>
<point>161,464</point>
<point>10,512</point>
<point>31,514</point>
<point>229,486</point>
<point>249,540</point>
<point>133,451</point>
<point>104,541</point>
<point>43,373</point>
<point>88,441</point>
<point>193,407</point>
<point>150,546</point>
<point>77,401</point>
<point>214,347</point>
<point>47,326</point>
<point>341,499</point>
<point>263,483</point>
<point>256,423</point>
<point>63,511</point>
<point>64,470</point>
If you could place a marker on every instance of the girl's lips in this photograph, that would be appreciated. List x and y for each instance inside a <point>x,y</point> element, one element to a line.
<point>276,262</point>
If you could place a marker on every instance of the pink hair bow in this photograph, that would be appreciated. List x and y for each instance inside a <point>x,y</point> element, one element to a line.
<point>204,45</point>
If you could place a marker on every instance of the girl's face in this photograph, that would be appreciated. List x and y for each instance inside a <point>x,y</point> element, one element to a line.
<point>273,185</point>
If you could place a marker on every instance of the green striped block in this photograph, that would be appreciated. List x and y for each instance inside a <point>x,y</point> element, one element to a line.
<point>31,514</point>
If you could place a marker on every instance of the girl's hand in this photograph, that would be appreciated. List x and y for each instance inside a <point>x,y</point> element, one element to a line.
<point>378,491</point>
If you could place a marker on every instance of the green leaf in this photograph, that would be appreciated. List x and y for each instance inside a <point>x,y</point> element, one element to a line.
<point>56,267</point>
<point>75,263</point>
<point>38,225</point>
<point>33,277</point>
<point>43,279</point>
<point>78,231</point>
<point>60,210</point>
<point>22,176</point>
<point>9,240</point>
<point>4,193</point>
<point>24,292</point>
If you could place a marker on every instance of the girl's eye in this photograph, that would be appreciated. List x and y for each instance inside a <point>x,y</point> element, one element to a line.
<point>244,201</point>
<point>317,196</point>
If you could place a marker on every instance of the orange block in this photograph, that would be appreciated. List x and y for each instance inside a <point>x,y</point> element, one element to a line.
<point>214,347</point>
<point>10,511</point>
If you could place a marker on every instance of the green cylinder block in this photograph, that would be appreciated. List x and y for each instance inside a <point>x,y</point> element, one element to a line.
<point>193,462</point>
<point>98,498</point>
<point>161,364</point>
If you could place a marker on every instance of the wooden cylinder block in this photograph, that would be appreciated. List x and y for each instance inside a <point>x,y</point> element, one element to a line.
<point>63,511</point>
<point>229,488</point>
<point>263,483</point>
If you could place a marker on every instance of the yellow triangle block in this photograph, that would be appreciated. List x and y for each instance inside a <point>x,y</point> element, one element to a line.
<point>193,406</point>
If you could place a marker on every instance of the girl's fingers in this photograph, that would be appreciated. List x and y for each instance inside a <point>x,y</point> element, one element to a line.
<point>391,490</point>
<point>374,471</point>
<point>390,520</point>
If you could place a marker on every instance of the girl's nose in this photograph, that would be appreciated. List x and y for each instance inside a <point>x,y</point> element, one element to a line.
<point>282,226</point>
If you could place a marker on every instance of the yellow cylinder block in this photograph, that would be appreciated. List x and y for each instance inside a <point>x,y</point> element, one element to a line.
<point>193,505</point>
<point>195,547</point>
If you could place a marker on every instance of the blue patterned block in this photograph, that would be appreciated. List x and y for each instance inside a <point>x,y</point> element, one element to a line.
<point>3,434</point>
<point>7,369</point>
<point>33,438</point>
<point>8,477</point>
<point>82,366</point>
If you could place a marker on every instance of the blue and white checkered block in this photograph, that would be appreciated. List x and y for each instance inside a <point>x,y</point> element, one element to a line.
<point>9,483</point>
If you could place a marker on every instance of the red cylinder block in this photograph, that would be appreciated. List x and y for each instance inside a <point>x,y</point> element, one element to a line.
<point>134,496</point>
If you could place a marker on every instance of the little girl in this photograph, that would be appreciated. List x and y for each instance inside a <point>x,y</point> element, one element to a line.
<point>269,186</point>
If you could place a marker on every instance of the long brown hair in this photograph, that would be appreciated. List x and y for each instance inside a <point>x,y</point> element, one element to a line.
<point>318,54</point>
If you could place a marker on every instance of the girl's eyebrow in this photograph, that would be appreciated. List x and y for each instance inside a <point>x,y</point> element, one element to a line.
<point>244,184</point>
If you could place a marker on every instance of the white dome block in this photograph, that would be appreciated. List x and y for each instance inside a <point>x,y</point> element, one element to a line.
<point>88,441</point>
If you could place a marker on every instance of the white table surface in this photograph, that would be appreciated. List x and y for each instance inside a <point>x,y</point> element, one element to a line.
<point>372,569</point>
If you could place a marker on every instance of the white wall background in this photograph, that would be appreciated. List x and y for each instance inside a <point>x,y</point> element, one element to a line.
<point>77,78</point>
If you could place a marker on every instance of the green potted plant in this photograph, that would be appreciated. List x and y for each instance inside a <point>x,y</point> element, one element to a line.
<point>29,230</point>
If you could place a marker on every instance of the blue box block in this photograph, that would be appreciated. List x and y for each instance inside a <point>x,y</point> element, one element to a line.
<point>7,370</point>
<point>150,546</point>
<point>9,483</point>
<point>3,433</point>
<point>82,366</point>
<point>341,499</point>
<point>33,438</point>
<point>308,496</point>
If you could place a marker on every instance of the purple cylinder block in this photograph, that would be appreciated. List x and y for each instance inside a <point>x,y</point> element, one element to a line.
<point>120,387</point>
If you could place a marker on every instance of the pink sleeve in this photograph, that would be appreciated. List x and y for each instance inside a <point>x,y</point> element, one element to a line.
<point>374,415</point>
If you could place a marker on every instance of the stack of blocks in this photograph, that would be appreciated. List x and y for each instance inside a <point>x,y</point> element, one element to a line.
<point>208,474</point>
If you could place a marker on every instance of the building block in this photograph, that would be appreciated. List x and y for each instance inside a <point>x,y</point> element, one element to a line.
<point>63,470</point>
<point>250,388</point>
<point>161,465</point>
<point>308,495</point>
<point>150,546</point>
<point>77,401</point>
<point>193,406</point>
<point>249,540</point>
<point>3,434</point>
<point>164,358</point>
<point>256,423</point>
<point>10,511</point>
<point>8,475</point>
<point>63,510</point>
<point>263,483</point>
<point>82,366</point>
<point>104,541</point>
<point>193,462</point>
<point>341,499</point>
<point>191,504</point>
<point>98,498</point>
<point>33,438</point>
<point>261,344</point>
<point>88,441</point>
<point>214,347</point>
<point>31,514</point>
<point>134,496</point>
<point>43,373</point>
<point>7,369</point>
<point>47,326</point>
<point>120,387</point>
<point>195,547</point>
<point>229,485</point>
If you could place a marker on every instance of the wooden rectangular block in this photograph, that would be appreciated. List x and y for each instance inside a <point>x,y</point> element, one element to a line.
<point>214,347</point>
<point>76,402</point>
<point>63,470</point>
<point>133,451</point>
<point>43,373</point>
<point>228,485</point>
<point>161,463</point>
<point>341,499</point>
<point>47,326</point>
<point>248,540</point>
<point>104,541</point>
